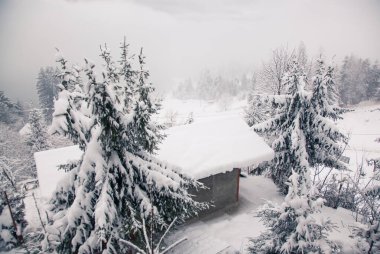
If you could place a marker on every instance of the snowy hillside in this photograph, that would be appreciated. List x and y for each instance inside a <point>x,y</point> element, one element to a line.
<point>363,128</point>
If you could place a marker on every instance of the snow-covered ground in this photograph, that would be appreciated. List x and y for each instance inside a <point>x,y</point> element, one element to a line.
<point>229,231</point>
<point>181,109</point>
<point>363,128</point>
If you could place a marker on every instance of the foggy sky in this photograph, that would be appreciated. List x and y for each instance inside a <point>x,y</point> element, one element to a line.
<point>180,38</point>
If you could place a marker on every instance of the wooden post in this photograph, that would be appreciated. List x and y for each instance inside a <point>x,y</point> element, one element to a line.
<point>19,237</point>
<point>238,183</point>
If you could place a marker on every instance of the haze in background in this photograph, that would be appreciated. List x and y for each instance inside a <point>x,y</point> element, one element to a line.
<point>180,38</point>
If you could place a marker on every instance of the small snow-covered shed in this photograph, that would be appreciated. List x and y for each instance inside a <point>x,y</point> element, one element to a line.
<point>211,150</point>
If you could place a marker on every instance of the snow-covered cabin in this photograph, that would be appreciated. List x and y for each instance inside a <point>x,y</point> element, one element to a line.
<point>211,150</point>
<point>214,150</point>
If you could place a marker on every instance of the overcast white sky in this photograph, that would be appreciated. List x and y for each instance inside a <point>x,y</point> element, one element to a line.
<point>180,38</point>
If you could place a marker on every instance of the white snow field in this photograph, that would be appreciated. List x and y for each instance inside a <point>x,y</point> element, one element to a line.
<point>363,128</point>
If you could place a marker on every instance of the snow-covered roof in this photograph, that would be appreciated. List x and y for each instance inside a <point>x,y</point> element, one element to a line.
<point>213,145</point>
<point>25,130</point>
<point>208,146</point>
<point>47,163</point>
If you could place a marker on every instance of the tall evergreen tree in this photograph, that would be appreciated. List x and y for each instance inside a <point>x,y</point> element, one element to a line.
<point>288,126</point>
<point>47,82</point>
<point>148,133</point>
<point>304,116</point>
<point>324,139</point>
<point>292,226</point>
<point>373,80</point>
<point>37,138</point>
<point>117,184</point>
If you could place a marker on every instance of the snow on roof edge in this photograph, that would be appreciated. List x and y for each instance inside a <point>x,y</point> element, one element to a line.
<point>229,167</point>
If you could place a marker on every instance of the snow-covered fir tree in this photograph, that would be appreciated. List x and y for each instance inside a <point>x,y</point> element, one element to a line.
<point>8,109</point>
<point>117,184</point>
<point>325,92</point>
<point>12,223</point>
<point>289,126</point>
<point>324,138</point>
<point>147,132</point>
<point>37,138</point>
<point>292,226</point>
<point>47,82</point>
<point>257,110</point>
<point>306,116</point>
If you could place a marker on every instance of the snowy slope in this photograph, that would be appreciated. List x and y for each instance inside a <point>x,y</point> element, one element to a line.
<point>230,231</point>
<point>363,127</point>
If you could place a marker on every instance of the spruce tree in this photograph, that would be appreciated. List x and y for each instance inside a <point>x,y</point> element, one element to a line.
<point>324,138</point>
<point>292,226</point>
<point>37,138</point>
<point>257,110</point>
<point>117,184</point>
<point>47,82</point>
<point>147,132</point>
<point>289,126</point>
<point>9,111</point>
<point>302,115</point>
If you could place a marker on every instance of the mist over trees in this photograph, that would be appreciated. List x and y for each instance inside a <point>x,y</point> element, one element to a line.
<point>47,81</point>
<point>356,79</point>
<point>359,80</point>
<point>214,87</point>
<point>10,112</point>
